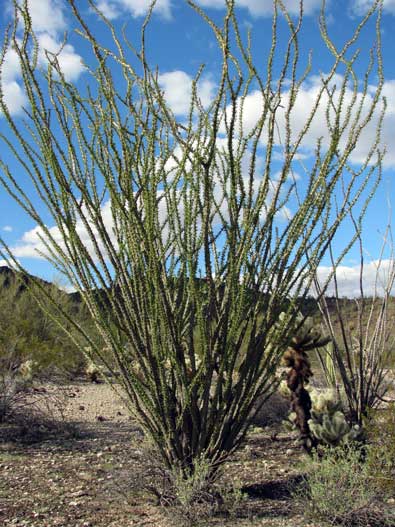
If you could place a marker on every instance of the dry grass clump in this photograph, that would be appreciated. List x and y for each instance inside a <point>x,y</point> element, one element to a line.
<point>380,432</point>
<point>339,489</point>
<point>186,500</point>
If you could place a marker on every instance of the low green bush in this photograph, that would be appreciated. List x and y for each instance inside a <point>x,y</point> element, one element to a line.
<point>187,501</point>
<point>338,489</point>
<point>12,388</point>
<point>380,433</point>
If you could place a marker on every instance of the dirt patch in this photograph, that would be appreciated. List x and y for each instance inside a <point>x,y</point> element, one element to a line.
<point>76,472</point>
<point>80,472</point>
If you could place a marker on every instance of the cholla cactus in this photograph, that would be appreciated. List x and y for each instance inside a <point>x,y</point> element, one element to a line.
<point>306,338</point>
<point>328,423</point>
<point>324,401</point>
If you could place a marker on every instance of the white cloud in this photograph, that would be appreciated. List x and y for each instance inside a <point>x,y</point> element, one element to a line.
<point>360,7</point>
<point>109,9</point>
<point>114,8</point>
<point>32,246</point>
<point>47,16</point>
<point>14,97</point>
<point>221,180</point>
<point>375,278</point>
<point>292,176</point>
<point>7,228</point>
<point>5,263</point>
<point>389,5</point>
<point>49,23</point>
<point>305,102</point>
<point>376,274</point>
<point>279,156</point>
<point>67,288</point>
<point>11,69</point>
<point>70,62</point>
<point>265,7</point>
<point>177,86</point>
<point>257,8</point>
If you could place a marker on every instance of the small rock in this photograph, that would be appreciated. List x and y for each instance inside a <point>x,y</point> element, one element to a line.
<point>39,389</point>
<point>78,494</point>
<point>81,407</point>
<point>100,418</point>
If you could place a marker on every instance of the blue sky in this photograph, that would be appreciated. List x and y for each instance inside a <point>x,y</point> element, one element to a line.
<point>179,42</point>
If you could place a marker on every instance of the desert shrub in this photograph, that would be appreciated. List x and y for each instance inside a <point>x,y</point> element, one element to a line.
<point>380,433</point>
<point>186,500</point>
<point>196,266</point>
<point>37,412</point>
<point>33,349</point>
<point>171,486</point>
<point>362,339</point>
<point>338,489</point>
<point>34,409</point>
<point>12,385</point>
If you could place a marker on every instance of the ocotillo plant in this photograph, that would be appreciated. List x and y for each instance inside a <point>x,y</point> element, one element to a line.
<point>358,362</point>
<point>181,241</point>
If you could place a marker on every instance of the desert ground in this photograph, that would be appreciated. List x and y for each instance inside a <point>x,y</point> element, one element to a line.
<point>77,465</point>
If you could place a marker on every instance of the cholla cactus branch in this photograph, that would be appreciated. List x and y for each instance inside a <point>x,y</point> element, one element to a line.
<point>296,359</point>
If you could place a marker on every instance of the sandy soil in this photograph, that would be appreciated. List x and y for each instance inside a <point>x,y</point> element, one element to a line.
<point>77,464</point>
<point>90,402</point>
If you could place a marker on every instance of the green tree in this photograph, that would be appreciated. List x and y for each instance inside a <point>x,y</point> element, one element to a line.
<point>187,279</point>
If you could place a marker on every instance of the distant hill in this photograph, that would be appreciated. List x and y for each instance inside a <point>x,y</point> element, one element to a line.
<point>308,306</point>
<point>352,318</point>
<point>8,277</point>
<point>22,281</point>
